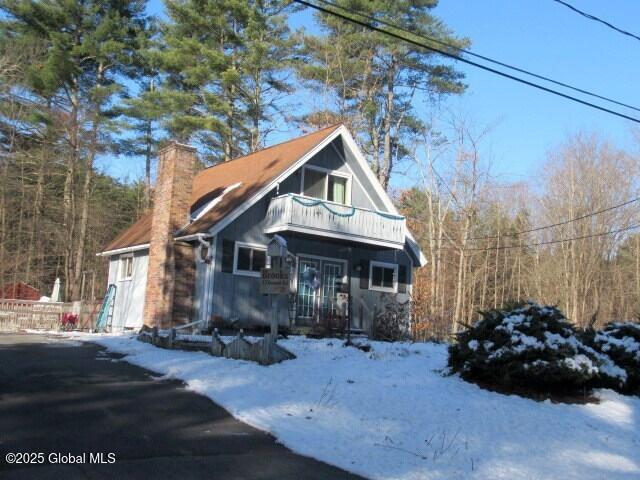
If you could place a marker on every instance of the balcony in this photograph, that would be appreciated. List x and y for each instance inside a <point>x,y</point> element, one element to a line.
<point>296,213</point>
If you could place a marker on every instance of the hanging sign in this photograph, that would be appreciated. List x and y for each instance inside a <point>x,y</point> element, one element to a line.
<point>274,281</point>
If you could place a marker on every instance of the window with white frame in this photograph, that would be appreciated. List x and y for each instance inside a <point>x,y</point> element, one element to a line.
<point>126,267</point>
<point>249,259</point>
<point>383,276</point>
<point>326,185</point>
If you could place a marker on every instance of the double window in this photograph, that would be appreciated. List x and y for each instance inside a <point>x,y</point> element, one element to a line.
<point>326,185</point>
<point>249,259</point>
<point>383,276</point>
<point>126,267</point>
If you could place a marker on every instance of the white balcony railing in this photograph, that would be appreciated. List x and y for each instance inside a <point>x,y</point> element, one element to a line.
<point>333,220</point>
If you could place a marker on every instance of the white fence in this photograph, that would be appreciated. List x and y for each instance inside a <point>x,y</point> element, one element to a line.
<point>16,315</point>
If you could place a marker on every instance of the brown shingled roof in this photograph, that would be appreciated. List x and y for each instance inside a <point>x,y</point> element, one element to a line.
<point>253,171</point>
<point>136,234</point>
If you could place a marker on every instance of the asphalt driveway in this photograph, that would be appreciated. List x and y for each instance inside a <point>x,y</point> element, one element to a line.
<point>65,399</point>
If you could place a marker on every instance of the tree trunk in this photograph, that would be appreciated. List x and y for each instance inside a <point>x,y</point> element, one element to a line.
<point>387,158</point>
<point>68,196</point>
<point>86,195</point>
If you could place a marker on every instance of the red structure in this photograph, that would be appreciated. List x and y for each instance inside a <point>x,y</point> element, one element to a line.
<point>19,291</point>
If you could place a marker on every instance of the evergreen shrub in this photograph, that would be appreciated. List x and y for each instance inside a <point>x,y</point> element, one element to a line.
<point>532,347</point>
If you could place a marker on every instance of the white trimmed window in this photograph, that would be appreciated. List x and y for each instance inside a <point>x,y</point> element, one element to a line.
<point>383,276</point>
<point>249,259</point>
<point>126,267</point>
<point>326,184</point>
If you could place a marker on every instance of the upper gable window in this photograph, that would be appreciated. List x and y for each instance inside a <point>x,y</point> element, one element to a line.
<point>326,185</point>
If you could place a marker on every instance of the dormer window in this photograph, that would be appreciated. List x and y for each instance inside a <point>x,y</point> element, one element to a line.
<point>326,184</point>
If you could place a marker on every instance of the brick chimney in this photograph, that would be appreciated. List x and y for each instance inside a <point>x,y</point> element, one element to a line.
<point>172,201</point>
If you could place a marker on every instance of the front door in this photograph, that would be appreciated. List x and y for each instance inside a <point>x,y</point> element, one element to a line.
<point>306,305</point>
<point>332,273</point>
<point>319,305</point>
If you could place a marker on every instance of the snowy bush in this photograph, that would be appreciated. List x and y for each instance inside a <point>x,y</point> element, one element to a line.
<point>620,341</point>
<point>393,322</point>
<point>530,347</point>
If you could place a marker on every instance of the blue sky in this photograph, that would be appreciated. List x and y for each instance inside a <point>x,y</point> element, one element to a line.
<point>544,37</point>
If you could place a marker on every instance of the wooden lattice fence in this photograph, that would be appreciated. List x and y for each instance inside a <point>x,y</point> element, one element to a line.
<point>16,315</point>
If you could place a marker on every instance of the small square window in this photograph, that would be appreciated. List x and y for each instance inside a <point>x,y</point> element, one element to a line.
<point>383,276</point>
<point>126,267</point>
<point>249,260</point>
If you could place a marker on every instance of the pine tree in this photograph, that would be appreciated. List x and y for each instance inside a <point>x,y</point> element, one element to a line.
<point>89,48</point>
<point>267,58</point>
<point>141,112</point>
<point>223,65</point>
<point>371,80</point>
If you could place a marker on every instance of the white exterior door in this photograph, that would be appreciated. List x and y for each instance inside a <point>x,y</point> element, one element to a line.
<point>314,306</point>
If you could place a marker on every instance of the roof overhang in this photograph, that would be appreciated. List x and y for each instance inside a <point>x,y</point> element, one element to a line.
<point>270,186</point>
<point>117,251</point>
<point>343,132</point>
<point>351,143</point>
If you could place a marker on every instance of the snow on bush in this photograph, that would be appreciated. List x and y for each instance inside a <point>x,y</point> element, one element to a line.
<point>532,347</point>
<point>620,341</point>
<point>393,322</point>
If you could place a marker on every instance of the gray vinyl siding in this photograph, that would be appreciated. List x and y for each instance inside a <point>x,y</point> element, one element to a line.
<point>237,297</point>
<point>332,157</point>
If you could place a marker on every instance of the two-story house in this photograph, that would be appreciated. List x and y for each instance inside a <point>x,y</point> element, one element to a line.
<point>199,253</point>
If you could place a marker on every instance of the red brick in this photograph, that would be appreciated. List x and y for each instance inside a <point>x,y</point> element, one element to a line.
<point>170,213</point>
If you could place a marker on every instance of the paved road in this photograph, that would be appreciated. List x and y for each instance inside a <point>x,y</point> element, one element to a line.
<point>62,397</point>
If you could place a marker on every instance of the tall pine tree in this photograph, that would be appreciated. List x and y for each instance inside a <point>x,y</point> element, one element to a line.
<point>90,46</point>
<point>372,81</point>
<point>223,66</point>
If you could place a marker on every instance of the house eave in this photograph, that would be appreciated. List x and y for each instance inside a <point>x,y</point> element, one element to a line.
<point>117,251</point>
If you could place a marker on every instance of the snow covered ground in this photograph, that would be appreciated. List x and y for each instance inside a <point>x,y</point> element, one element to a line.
<point>391,414</point>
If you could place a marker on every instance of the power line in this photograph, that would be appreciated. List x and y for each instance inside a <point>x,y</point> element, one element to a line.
<point>597,19</point>
<point>464,60</point>
<point>482,57</point>
<point>564,222</point>
<point>550,242</point>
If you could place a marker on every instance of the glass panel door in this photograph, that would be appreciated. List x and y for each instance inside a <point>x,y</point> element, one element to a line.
<point>331,280</point>
<point>307,296</point>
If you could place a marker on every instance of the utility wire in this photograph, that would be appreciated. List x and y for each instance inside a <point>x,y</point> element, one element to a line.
<point>482,57</point>
<point>549,242</point>
<point>565,222</point>
<point>456,57</point>
<point>597,19</point>
<point>464,60</point>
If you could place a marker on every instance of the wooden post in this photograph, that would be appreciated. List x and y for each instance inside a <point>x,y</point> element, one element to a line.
<point>277,251</point>
<point>172,338</point>
<point>82,284</point>
<point>274,303</point>
<point>346,311</point>
<point>217,345</point>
